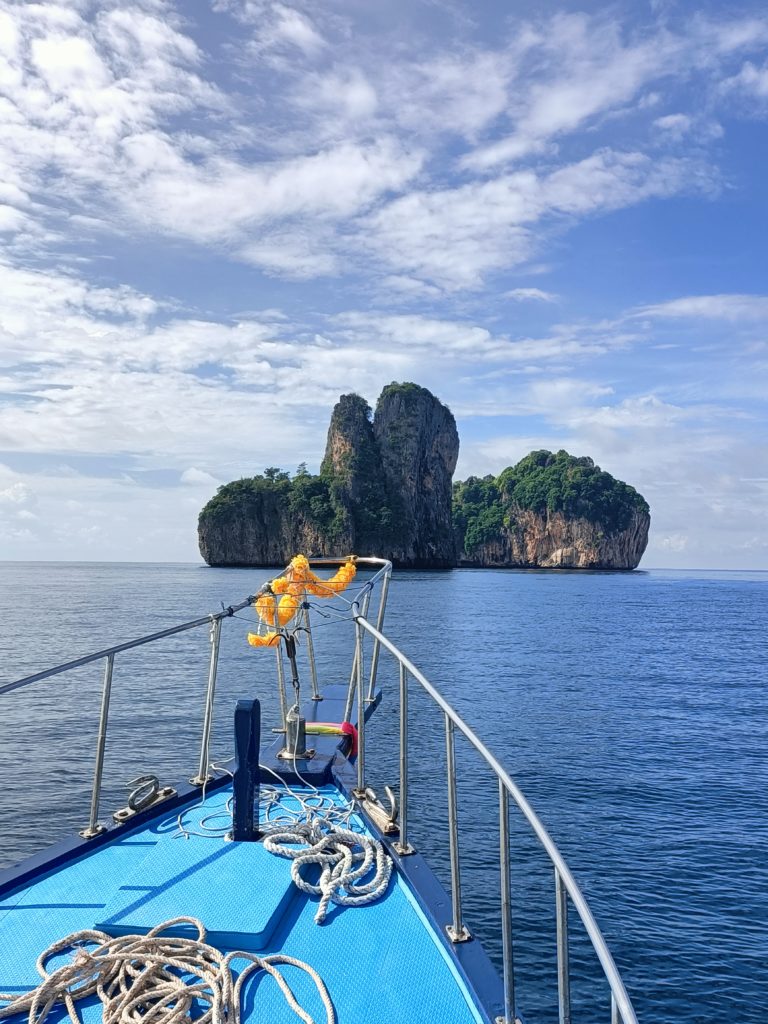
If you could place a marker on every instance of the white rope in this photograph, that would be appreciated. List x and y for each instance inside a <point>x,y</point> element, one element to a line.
<point>153,979</point>
<point>321,832</point>
<point>315,830</point>
<point>337,851</point>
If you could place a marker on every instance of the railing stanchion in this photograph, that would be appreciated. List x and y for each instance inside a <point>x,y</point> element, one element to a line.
<point>353,675</point>
<point>202,771</point>
<point>376,644</point>
<point>311,653</point>
<point>456,930</point>
<point>282,685</point>
<point>94,828</point>
<point>351,688</point>
<point>615,1018</point>
<point>567,886</point>
<point>360,791</point>
<point>402,846</point>
<point>506,907</point>
<point>563,968</point>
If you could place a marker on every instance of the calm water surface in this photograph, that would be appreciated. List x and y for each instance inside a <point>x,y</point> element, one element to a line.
<point>631,708</point>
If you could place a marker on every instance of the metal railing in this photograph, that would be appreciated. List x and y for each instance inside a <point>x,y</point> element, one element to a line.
<point>362,687</point>
<point>383,570</point>
<point>565,884</point>
<point>108,655</point>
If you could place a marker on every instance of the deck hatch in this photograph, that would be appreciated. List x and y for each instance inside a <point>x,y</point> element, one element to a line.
<point>238,890</point>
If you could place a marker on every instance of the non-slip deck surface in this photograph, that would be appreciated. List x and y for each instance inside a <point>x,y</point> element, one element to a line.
<point>239,890</point>
<point>381,962</point>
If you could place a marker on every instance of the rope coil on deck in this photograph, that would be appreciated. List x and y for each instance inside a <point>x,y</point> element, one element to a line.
<point>153,979</point>
<point>337,852</point>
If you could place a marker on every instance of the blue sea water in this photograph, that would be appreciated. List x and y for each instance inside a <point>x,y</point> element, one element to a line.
<point>631,708</point>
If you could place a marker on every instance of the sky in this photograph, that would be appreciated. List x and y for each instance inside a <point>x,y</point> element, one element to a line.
<point>217,216</point>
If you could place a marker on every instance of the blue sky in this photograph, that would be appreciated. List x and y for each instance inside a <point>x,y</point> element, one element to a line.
<point>217,216</point>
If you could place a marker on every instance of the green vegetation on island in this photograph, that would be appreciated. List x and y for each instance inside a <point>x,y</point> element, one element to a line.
<point>385,487</point>
<point>348,496</point>
<point>305,495</point>
<point>543,483</point>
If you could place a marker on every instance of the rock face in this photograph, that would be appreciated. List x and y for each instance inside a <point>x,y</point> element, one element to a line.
<point>253,528</point>
<point>352,470</point>
<point>550,511</point>
<point>384,488</point>
<point>552,541</point>
<point>419,445</point>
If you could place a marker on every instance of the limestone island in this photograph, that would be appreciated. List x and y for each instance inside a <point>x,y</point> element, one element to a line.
<point>386,487</point>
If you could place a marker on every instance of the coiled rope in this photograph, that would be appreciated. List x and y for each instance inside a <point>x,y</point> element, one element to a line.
<point>309,828</point>
<point>337,851</point>
<point>153,979</point>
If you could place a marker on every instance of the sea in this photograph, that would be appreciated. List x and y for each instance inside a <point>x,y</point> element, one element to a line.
<point>631,709</point>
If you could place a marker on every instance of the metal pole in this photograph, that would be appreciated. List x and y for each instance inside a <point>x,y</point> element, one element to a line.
<point>129,645</point>
<point>311,655</point>
<point>402,846</point>
<point>351,689</point>
<point>94,828</point>
<point>280,668</point>
<point>202,771</point>
<point>366,601</point>
<point>376,644</point>
<point>627,1013</point>
<point>360,792</point>
<point>354,675</point>
<point>506,907</point>
<point>456,931</point>
<point>281,686</point>
<point>563,971</point>
<point>364,612</point>
<point>615,1018</point>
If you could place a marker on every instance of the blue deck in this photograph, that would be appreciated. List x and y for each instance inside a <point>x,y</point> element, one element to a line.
<point>381,962</point>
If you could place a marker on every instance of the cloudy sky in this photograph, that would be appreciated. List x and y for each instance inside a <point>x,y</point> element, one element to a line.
<point>217,216</point>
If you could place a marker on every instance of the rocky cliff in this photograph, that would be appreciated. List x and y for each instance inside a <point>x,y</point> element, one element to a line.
<point>419,444</point>
<point>550,511</point>
<point>384,488</point>
<point>552,541</point>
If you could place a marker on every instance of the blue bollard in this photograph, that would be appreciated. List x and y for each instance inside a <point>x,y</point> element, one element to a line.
<point>245,784</point>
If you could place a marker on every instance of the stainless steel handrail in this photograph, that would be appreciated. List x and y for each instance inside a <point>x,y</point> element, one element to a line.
<point>385,567</point>
<point>127,646</point>
<point>565,882</point>
<point>213,620</point>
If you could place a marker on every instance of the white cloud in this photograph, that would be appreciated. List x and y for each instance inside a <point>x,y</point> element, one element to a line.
<point>587,67</point>
<point>590,70</point>
<point>225,202</point>
<point>345,94</point>
<point>16,495</point>
<point>195,477</point>
<point>410,286</point>
<point>727,307</point>
<point>454,237</point>
<point>306,147</point>
<point>291,26</point>
<point>674,125</point>
<point>554,395</point>
<point>750,81</point>
<point>530,295</point>
<point>18,510</point>
<point>113,118</point>
<point>676,542</point>
<point>456,93</point>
